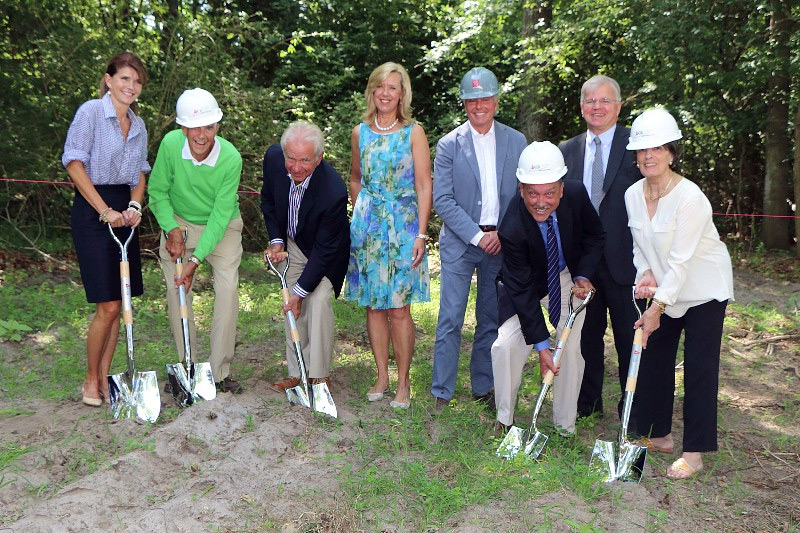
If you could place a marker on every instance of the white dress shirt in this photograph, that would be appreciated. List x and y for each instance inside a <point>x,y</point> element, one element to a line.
<point>485,150</point>
<point>681,246</point>
<point>211,158</point>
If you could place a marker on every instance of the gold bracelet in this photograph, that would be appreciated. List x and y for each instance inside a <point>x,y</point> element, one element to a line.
<point>661,305</point>
<point>103,215</point>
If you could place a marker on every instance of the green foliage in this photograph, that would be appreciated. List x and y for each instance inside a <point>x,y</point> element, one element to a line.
<point>11,330</point>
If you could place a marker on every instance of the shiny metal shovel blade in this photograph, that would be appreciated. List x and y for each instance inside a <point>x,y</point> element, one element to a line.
<point>604,460</point>
<point>535,445</point>
<point>515,441</point>
<point>630,463</point>
<point>142,401</point>
<point>614,461</point>
<point>512,443</point>
<point>323,401</point>
<point>189,389</point>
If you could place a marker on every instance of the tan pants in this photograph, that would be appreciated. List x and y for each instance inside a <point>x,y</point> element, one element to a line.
<point>509,354</point>
<point>224,261</point>
<point>315,322</point>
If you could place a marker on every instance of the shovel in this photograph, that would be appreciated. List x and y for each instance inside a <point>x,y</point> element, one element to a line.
<point>194,382</point>
<point>625,461</point>
<point>131,394</point>
<point>533,440</point>
<point>317,397</point>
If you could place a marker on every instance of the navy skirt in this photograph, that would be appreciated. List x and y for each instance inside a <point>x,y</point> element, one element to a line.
<point>98,254</point>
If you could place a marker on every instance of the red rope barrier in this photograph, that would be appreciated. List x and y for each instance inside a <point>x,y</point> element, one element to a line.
<point>755,215</point>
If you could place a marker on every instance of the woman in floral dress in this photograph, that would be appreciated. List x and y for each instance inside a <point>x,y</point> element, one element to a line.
<point>390,185</point>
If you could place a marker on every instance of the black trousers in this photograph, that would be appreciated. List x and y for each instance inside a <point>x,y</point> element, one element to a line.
<point>615,300</point>
<point>655,391</point>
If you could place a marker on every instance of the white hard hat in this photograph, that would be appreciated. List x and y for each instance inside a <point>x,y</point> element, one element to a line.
<point>479,82</point>
<point>197,107</point>
<point>654,127</point>
<point>541,163</point>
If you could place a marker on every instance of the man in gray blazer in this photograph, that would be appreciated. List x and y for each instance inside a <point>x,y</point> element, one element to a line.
<point>474,181</point>
<point>598,159</point>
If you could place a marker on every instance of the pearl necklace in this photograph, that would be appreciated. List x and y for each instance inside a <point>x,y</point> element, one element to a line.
<point>662,193</point>
<point>387,128</point>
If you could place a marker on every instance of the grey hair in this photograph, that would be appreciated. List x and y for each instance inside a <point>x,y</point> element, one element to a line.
<point>304,131</point>
<point>595,82</point>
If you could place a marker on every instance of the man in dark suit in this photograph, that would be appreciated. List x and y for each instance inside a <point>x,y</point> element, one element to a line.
<point>598,159</point>
<point>304,202</point>
<point>552,239</point>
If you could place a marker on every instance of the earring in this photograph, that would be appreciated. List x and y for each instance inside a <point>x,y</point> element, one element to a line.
<point>670,162</point>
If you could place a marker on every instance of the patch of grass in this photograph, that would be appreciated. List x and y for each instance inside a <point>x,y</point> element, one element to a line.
<point>11,412</point>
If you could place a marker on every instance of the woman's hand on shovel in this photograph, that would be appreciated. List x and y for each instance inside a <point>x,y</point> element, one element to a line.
<point>650,321</point>
<point>546,362</point>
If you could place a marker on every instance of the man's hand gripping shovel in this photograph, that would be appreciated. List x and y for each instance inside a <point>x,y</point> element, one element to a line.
<point>131,394</point>
<point>624,459</point>
<point>533,440</point>
<point>316,397</point>
<point>193,382</point>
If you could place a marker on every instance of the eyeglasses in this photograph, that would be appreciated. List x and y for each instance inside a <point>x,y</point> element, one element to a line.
<point>602,102</point>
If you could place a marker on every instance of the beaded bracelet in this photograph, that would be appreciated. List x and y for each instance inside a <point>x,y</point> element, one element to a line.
<point>103,214</point>
<point>136,206</point>
<point>422,236</point>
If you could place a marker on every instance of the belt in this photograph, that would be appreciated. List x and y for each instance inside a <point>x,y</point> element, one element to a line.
<point>488,228</point>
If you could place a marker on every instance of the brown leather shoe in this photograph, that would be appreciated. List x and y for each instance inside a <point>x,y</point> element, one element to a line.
<point>500,429</point>
<point>285,383</point>
<point>440,405</point>
<point>326,380</point>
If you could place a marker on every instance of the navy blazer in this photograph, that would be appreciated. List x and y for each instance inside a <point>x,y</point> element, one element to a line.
<point>522,281</point>
<point>323,231</point>
<point>620,174</point>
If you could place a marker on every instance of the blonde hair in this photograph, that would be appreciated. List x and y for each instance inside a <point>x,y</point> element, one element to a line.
<point>379,75</point>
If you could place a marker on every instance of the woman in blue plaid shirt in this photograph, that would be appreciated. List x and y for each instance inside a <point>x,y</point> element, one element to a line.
<point>105,154</point>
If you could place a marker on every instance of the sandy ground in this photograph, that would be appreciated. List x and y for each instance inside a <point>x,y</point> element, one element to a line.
<point>251,461</point>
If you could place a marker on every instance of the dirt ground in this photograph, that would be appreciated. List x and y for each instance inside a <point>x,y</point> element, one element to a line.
<point>251,462</point>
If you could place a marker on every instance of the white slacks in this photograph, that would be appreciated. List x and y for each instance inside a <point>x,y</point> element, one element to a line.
<point>315,322</point>
<point>510,353</point>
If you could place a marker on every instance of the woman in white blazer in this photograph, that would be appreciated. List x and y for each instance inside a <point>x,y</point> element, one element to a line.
<point>684,267</point>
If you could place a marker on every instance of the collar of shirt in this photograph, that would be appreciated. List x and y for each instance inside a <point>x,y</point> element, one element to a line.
<point>110,112</point>
<point>303,185</point>
<point>477,136</point>
<point>210,160</point>
<point>562,262</point>
<point>605,138</point>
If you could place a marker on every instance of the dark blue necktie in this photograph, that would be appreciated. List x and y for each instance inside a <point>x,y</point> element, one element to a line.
<point>553,275</point>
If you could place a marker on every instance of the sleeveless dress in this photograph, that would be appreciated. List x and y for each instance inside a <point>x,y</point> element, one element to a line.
<point>385,224</point>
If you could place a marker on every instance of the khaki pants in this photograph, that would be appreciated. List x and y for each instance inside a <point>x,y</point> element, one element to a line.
<point>315,322</point>
<point>224,261</point>
<point>510,353</point>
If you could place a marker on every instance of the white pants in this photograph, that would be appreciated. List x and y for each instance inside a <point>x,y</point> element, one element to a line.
<point>315,323</point>
<point>510,353</point>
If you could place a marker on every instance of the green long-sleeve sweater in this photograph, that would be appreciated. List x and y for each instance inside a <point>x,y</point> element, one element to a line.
<point>199,194</point>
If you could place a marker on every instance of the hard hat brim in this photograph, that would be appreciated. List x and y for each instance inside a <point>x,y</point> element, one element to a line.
<point>200,121</point>
<point>540,178</point>
<point>654,142</point>
<point>477,94</point>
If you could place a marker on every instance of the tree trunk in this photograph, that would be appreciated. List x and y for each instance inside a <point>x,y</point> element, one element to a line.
<point>776,137</point>
<point>530,120</point>
<point>797,180</point>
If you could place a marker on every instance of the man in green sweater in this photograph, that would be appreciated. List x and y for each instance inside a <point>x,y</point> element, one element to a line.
<point>194,183</point>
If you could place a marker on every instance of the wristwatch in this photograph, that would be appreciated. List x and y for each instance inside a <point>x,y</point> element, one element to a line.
<point>195,260</point>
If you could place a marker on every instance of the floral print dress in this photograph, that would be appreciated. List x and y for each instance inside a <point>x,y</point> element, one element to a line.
<point>385,224</point>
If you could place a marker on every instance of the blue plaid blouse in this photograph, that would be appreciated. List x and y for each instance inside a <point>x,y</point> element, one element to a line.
<point>95,139</point>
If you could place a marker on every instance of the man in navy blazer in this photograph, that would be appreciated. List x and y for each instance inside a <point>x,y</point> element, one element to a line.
<point>474,180</point>
<point>304,202</point>
<point>613,165</point>
<point>546,204</point>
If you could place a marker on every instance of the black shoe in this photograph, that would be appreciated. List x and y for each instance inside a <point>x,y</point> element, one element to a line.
<point>487,399</point>
<point>229,385</point>
<point>440,405</point>
<point>587,414</point>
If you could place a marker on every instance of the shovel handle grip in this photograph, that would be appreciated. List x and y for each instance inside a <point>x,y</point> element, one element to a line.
<point>548,378</point>
<point>633,365</point>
